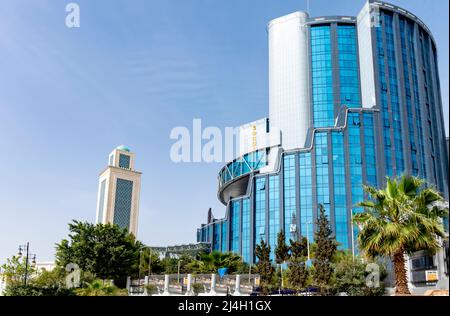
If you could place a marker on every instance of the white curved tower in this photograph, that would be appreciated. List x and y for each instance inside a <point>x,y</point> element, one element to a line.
<point>289,109</point>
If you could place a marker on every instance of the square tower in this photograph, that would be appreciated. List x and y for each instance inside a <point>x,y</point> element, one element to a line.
<point>119,189</point>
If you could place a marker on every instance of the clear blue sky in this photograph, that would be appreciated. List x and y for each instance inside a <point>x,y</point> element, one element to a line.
<point>132,72</point>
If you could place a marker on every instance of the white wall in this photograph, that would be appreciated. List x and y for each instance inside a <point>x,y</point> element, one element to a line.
<point>366,57</point>
<point>289,108</point>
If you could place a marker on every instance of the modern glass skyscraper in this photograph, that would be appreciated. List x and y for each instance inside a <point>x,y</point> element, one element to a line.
<point>352,100</point>
<point>119,189</point>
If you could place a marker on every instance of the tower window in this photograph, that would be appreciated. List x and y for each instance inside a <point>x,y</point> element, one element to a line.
<point>122,204</point>
<point>124,161</point>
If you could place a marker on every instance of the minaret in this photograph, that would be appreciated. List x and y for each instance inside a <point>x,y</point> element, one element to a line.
<point>119,189</point>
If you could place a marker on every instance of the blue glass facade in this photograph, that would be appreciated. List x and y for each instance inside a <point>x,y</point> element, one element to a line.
<point>355,164</point>
<point>420,136</point>
<point>349,144</point>
<point>235,228</point>
<point>348,66</point>
<point>322,170</point>
<point>246,241</point>
<point>407,94</point>
<point>384,103</point>
<point>216,237</point>
<point>260,210</point>
<point>224,239</point>
<point>370,150</point>
<point>306,195</point>
<point>290,194</point>
<point>322,76</point>
<point>340,203</point>
<point>274,212</point>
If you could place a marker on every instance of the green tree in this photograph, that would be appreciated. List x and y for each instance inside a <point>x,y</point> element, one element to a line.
<point>170,265</point>
<point>324,253</point>
<point>264,267</point>
<point>299,248</point>
<point>404,217</point>
<point>282,250</point>
<point>50,279</point>
<point>216,260</point>
<point>14,270</point>
<point>298,273</point>
<point>185,261</point>
<point>105,250</point>
<point>350,277</point>
<point>150,262</point>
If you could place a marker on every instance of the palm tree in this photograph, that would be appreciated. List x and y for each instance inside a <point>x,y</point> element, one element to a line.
<point>99,288</point>
<point>215,260</point>
<point>405,217</point>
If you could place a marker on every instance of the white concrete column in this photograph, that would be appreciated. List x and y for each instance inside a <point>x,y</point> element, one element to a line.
<point>128,283</point>
<point>189,291</point>
<point>237,290</point>
<point>213,285</point>
<point>145,285</point>
<point>166,285</point>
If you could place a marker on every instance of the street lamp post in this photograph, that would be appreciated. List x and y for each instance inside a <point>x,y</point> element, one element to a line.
<point>353,235</point>
<point>281,274</point>
<point>149,262</point>
<point>27,258</point>
<point>307,238</point>
<point>179,265</point>
<point>140,261</point>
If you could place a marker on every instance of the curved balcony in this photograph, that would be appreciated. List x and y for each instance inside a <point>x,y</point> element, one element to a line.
<point>233,178</point>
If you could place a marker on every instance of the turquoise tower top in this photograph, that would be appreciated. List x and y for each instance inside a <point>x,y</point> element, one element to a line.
<point>123,147</point>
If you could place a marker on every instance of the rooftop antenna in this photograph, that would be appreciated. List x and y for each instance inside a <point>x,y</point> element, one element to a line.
<point>307,6</point>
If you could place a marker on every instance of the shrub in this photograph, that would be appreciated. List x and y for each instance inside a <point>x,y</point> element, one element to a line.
<point>151,289</point>
<point>197,288</point>
<point>33,290</point>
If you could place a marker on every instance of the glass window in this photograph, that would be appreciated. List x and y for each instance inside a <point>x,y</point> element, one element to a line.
<point>224,236</point>
<point>260,210</point>
<point>306,197</point>
<point>235,228</point>
<point>122,204</point>
<point>348,66</point>
<point>246,230</point>
<point>322,76</point>
<point>289,194</point>
<point>274,212</point>
<point>124,161</point>
<point>340,205</point>
<point>322,175</point>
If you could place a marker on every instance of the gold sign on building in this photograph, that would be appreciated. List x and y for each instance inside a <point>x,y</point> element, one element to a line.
<point>254,138</point>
